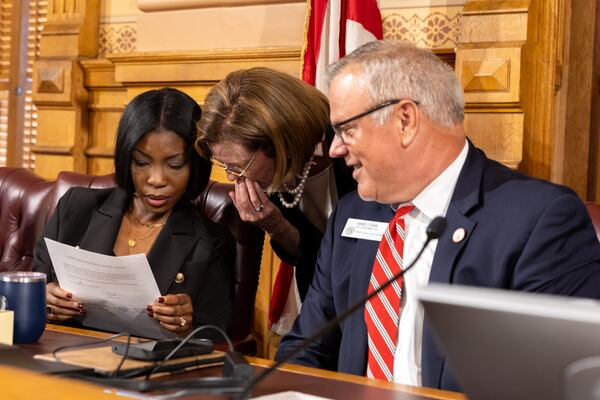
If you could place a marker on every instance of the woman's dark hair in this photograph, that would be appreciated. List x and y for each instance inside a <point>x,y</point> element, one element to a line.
<point>167,109</point>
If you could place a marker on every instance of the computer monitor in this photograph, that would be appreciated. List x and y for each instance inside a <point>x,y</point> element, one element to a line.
<point>513,345</point>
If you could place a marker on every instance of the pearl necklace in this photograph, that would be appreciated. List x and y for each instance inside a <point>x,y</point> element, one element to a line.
<point>298,191</point>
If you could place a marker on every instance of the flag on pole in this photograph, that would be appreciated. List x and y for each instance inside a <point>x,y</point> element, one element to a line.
<point>333,29</point>
<point>336,28</point>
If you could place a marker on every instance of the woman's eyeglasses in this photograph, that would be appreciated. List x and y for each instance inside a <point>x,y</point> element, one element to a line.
<point>234,170</point>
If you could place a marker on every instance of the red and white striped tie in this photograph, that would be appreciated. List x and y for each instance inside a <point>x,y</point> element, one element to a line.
<point>382,311</point>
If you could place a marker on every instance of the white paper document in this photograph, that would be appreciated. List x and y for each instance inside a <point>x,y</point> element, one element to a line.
<point>289,395</point>
<point>114,290</point>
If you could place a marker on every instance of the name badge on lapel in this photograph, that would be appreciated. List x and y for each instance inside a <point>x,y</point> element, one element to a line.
<point>364,229</point>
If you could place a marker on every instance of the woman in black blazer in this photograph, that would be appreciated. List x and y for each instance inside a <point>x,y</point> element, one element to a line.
<point>158,174</point>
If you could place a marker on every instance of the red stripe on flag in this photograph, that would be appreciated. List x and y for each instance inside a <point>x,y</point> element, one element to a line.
<point>343,17</point>
<point>366,13</point>
<point>281,290</point>
<point>313,39</point>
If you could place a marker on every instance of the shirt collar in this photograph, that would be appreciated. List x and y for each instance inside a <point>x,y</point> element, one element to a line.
<point>433,201</point>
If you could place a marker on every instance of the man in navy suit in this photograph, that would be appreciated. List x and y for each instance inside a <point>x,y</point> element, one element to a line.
<point>398,116</point>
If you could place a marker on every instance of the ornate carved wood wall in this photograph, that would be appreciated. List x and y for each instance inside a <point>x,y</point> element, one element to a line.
<point>70,35</point>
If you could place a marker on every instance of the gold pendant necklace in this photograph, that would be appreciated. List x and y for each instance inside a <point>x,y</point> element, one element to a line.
<point>132,242</point>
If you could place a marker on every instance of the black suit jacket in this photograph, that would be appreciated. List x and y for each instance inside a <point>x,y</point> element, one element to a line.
<point>521,234</point>
<point>189,243</point>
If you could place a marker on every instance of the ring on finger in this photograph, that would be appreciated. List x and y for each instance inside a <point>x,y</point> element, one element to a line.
<point>260,208</point>
<point>50,309</point>
<point>182,322</point>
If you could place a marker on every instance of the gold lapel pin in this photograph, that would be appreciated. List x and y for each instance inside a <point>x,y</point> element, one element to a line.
<point>179,278</point>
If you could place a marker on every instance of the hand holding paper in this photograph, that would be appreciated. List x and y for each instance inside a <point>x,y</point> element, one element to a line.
<point>174,311</point>
<point>114,290</point>
<point>60,305</point>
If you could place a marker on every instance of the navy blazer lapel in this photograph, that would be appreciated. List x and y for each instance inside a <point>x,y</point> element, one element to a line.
<point>363,254</point>
<point>449,247</point>
<point>172,247</point>
<point>466,196</point>
<point>105,223</point>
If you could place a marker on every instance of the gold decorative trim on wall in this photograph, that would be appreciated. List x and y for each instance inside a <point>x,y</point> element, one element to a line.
<point>171,5</point>
<point>50,80</point>
<point>117,39</point>
<point>486,75</point>
<point>101,152</point>
<point>199,67</point>
<point>434,30</point>
<point>54,150</point>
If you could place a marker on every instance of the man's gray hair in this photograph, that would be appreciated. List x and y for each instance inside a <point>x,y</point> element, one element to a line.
<point>398,70</point>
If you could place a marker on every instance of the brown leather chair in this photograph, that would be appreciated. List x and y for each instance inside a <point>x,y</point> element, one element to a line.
<point>594,210</point>
<point>27,202</point>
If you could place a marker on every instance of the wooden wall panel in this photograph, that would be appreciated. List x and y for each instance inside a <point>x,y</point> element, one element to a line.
<point>106,101</point>
<point>489,66</point>
<point>197,91</point>
<point>56,127</point>
<point>54,163</point>
<point>538,87</point>
<point>490,74</point>
<point>495,133</point>
<point>70,33</point>
<point>105,109</point>
<point>100,165</point>
<point>594,171</point>
<point>200,66</point>
<point>111,83</point>
<point>574,157</point>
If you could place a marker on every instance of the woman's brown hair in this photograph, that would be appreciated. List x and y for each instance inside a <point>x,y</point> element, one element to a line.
<point>269,110</point>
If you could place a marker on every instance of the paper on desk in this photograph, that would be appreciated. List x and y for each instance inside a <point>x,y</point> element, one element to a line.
<point>115,290</point>
<point>289,395</point>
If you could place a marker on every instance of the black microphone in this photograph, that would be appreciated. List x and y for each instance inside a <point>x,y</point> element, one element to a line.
<point>435,229</point>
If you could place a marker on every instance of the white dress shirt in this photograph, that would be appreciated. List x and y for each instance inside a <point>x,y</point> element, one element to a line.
<point>432,202</point>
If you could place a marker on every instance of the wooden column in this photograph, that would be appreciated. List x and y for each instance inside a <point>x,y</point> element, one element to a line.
<point>70,34</point>
<point>594,171</point>
<point>539,83</point>
<point>489,64</point>
<point>575,154</point>
<point>507,61</point>
<point>17,77</point>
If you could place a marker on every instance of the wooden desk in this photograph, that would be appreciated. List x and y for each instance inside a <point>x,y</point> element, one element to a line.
<point>291,377</point>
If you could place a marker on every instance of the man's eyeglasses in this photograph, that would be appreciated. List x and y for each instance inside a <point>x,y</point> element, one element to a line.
<point>235,171</point>
<point>340,133</point>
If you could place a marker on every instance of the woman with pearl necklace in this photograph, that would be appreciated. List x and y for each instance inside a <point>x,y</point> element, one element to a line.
<point>270,132</point>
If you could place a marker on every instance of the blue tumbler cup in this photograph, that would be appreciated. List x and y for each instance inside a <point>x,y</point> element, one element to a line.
<point>25,293</point>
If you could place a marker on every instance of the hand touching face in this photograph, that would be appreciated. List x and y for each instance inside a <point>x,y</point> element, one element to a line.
<point>241,162</point>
